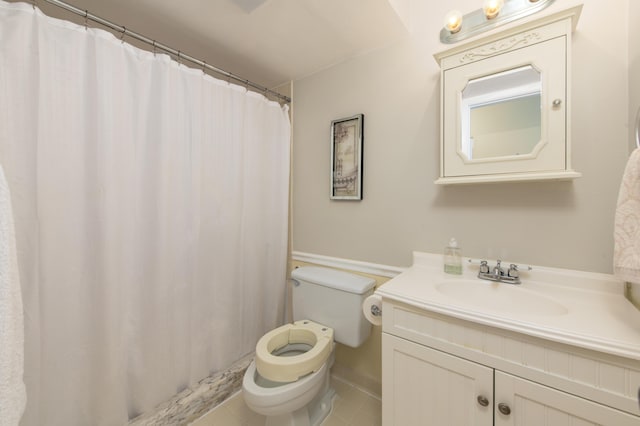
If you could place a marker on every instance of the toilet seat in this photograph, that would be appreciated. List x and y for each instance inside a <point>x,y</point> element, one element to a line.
<point>291,368</point>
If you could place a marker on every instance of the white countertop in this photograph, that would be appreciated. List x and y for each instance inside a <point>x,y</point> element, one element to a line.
<point>583,309</point>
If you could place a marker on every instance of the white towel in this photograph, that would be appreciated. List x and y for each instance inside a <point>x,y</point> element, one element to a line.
<point>13,396</point>
<point>626,253</point>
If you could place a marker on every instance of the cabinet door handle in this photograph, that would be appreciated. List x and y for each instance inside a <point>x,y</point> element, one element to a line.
<point>504,409</point>
<point>482,400</point>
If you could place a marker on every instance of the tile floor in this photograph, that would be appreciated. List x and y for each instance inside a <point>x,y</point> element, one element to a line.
<point>351,407</point>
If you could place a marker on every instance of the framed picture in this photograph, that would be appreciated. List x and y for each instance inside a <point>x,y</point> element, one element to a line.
<point>346,158</point>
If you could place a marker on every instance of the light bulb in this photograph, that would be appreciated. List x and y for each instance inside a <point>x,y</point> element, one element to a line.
<point>453,21</point>
<point>491,8</point>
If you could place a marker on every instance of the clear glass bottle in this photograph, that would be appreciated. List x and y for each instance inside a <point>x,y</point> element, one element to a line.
<point>452,258</point>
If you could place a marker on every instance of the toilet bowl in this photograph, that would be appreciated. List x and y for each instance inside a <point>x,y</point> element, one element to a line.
<point>297,358</point>
<point>304,402</point>
<point>288,381</point>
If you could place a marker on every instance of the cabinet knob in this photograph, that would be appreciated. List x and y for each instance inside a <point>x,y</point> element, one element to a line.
<point>482,400</point>
<point>557,102</point>
<point>504,409</point>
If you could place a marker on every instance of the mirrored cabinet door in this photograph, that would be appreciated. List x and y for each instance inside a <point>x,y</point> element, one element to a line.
<point>511,111</point>
<point>505,123</point>
<point>505,107</point>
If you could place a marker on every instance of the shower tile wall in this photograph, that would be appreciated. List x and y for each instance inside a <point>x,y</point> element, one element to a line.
<point>193,403</point>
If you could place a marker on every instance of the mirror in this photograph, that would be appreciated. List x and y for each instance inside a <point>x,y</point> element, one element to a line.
<point>501,114</point>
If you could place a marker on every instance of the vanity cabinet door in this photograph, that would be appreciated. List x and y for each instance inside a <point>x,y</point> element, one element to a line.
<point>423,386</point>
<point>529,404</point>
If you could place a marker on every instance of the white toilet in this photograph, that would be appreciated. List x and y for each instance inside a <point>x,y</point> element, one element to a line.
<point>288,381</point>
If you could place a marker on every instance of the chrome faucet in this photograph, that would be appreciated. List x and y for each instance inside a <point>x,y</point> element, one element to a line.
<point>497,270</point>
<point>511,276</point>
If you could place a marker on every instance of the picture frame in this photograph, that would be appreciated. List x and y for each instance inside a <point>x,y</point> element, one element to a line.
<point>346,158</point>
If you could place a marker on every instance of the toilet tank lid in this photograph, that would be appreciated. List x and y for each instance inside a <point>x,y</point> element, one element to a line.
<point>339,280</point>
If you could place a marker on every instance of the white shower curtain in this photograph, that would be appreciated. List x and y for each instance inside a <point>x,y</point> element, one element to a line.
<point>151,218</point>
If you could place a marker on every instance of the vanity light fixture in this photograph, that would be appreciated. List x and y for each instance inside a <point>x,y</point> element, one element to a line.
<point>493,14</point>
<point>453,21</point>
<point>491,8</point>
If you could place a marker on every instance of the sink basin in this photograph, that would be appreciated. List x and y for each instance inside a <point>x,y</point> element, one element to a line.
<point>500,297</point>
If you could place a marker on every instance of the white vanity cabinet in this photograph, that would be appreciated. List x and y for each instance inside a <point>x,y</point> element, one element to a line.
<point>422,386</point>
<point>440,370</point>
<point>505,104</point>
<point>531,404</point>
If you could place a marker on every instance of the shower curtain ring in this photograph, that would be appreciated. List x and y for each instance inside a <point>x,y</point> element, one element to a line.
<point>179,58</point>
<point>154,48</point>
<point>86,19</point>
<point>34,4</point>
<point>204,66</point>
<point>124,30</point>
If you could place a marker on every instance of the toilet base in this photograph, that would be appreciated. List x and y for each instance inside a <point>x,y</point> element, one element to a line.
<point>310,415</point>
<point>320,411</point>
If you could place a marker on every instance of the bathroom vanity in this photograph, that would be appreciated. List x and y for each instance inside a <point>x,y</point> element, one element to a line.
<point>562,348</point>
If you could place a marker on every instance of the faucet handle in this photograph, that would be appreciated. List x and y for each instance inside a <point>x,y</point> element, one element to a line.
<point>513,271</point>
<point>484,267</point>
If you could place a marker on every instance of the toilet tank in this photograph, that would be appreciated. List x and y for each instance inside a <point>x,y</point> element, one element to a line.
<point>332,298</point>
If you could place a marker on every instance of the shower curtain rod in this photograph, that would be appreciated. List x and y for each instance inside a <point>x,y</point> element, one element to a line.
<point>159,46</point>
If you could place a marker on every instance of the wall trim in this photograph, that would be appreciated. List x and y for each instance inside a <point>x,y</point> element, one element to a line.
<point>352,265</point>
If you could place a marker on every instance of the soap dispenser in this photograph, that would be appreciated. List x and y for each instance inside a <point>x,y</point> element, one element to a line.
<point>452,258</point>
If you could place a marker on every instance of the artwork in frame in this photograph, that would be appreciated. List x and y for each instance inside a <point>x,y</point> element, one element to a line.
<point>346,158</point>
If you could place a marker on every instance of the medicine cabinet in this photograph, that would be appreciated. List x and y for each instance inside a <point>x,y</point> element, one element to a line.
<point>505,104</point>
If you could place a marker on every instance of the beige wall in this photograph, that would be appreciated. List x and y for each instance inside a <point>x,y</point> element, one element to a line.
<point>559,224</point>
<point>634,95</point>
<point>634,66</point>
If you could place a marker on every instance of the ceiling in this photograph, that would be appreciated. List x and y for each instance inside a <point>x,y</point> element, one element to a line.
<point>266,41</point>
